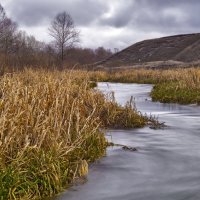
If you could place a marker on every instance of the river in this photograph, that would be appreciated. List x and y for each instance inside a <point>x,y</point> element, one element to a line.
<point>166,165</point>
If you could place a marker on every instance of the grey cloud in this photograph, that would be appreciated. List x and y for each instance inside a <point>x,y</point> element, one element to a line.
<point>151,15</point>
<point>38,12</point>
<point>140,14</point>
<point>158,20</point>
<point>162,17</point>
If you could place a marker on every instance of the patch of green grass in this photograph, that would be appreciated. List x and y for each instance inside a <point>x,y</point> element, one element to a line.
<point>172,93</point>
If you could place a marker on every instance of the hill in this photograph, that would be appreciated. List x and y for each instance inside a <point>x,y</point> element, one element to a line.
<point>165,51</point>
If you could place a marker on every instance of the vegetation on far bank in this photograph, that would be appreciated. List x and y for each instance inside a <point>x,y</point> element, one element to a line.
<point>51,128</point>
<point>172,85</point>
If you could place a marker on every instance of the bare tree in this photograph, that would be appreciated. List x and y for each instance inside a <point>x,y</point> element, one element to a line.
<point>2,14</point>
<point>7,34</point>
<point>2,21</point>
<point>63,31</point>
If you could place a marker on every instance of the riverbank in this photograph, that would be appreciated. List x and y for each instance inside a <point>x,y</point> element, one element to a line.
<point>166,163</point>
<point>171,86</point>
<point>51,128</point>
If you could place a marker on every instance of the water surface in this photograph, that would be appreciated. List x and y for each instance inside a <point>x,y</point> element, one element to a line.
<point>166,165</point>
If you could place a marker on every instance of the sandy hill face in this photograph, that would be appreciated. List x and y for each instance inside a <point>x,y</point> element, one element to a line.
<point>177,49</point>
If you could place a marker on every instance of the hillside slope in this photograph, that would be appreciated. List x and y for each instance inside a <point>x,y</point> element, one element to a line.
<point>178,48</point>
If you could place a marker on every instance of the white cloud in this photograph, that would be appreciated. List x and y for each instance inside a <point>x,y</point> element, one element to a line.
<point>40,32</point>
<point>111,37</point>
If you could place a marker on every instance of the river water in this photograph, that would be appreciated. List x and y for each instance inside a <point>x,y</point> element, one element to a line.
<point>166,165</point>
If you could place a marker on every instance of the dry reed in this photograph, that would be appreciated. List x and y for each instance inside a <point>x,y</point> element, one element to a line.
<point>50,130</point>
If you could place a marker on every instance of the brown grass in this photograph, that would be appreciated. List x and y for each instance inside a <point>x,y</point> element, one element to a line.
<point>173,85</point>
<point>50,130</point>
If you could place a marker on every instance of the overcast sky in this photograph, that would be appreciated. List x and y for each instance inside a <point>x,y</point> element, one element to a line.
<point>109,23</point>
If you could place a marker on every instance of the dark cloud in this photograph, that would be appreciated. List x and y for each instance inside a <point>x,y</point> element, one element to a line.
<point>119,22</point>
<point>156,15</point>
<point>37,12</point>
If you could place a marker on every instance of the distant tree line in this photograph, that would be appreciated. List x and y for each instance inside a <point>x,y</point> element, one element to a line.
<point>19,50</point>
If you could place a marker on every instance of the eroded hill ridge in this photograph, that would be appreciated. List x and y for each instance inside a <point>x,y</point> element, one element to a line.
<point>171,50</point>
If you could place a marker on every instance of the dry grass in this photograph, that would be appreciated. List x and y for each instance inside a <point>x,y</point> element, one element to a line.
<point>183,87</point>
<point>138,76</point>
<point>50,130</point>
<point>146,75</point>
<point>172,85</point>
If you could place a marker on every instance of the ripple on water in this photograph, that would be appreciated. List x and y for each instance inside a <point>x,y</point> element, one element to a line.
<point>166,165</point>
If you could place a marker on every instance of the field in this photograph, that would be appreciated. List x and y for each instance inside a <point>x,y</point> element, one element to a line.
<point>51,128</point>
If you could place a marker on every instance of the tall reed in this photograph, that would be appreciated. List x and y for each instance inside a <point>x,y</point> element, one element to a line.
<point>51,128</point>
